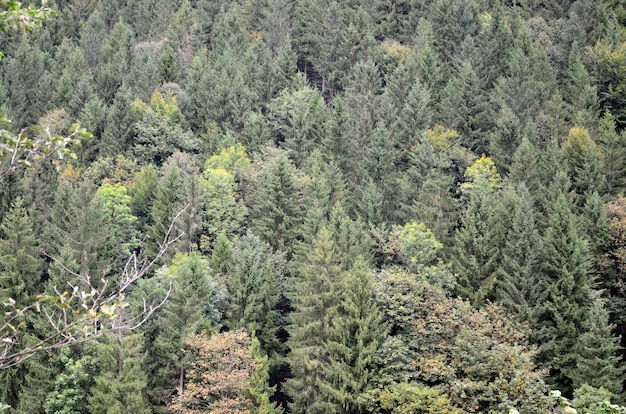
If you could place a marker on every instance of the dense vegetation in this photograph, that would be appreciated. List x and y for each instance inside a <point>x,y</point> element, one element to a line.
<point>399,206</point>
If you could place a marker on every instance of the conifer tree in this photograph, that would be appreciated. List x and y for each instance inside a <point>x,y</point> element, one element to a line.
<point>120,125</point>
<point>356,333</point>
<point>21,269</point>
<point>121,383</point>
<point>517,281</point>
<point>315,297</point>
<point>168,201</point>
<point>479,240</point>
<point>71,386</point>
<point>599,364</point>
<point>566,298</point>
<point>276,212</point>
<point>253,285</point>
<point>585,164</point>
<point>614,154</point>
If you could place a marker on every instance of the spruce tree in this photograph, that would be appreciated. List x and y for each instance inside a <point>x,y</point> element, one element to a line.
<point>21,268</point>
<point>483,228</point>
<point>517,280</point>
<point>356,333</point>
<point>315,297</point>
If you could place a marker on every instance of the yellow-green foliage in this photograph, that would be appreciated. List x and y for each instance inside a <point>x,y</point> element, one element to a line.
<point>231,159</point>
<point>419,242</point>
<point>167,107</point>
<point>483,171</point>
<point>411,398</point>
<point>441,137</point>
<point>578,143</point>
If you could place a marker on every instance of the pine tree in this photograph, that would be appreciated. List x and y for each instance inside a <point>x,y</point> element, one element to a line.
<point>585,164</point>
<point>297,120</point>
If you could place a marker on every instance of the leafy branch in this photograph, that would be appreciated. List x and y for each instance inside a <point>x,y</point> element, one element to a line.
<point>21,151</point>
<point>83,312</point>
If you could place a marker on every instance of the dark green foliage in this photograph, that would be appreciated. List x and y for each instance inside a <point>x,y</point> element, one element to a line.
<point>22,269</point>
<point>71,386</point>
<point>335,329</point>
<point>599,365</point>
<point>517,285</point>
<point>566,296</point>
<point>276,210</point>
<point>254,283</point>
<point>121,382</point>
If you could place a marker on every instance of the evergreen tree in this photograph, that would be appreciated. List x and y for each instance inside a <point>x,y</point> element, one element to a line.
<point>614,154</point>
<point>585,163</point>
<point>21,268</point>
<point>297,119</point>
<point>599,364</point>
<point>168,201</point>
<point>566,297</point>
<point>120,125</point>
<point>253,284</point>
<point>276,212</point>
<point>517,280</point>
<point>120,385</point>
<point>356,333</point>
<point>71,386</point>
<point>315,297</point>
<point>484,227</point>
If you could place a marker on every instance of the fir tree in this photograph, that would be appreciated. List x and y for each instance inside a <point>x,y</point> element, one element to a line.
<point>253,284</point>
<point>599,364</point>
<point>120,385</point>
<point>356,333</point>
<point>563,315</point>
<point>276,210</point>
<point>21,270</point>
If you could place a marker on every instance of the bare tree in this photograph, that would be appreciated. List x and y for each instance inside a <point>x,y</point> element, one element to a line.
<point>85,310</point>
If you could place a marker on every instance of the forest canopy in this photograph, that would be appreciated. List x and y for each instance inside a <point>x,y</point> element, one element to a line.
<point>312,206</point>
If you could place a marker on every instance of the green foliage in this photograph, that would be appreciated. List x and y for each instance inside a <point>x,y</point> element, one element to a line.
<point>478,358</point>
<point>71,386</point>
<point>566,296</point>
<point>408,398</point>
<point>253,281</point>
<point>121,382</point>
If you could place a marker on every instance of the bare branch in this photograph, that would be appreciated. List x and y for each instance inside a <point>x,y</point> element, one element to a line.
<point>84,311</point>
